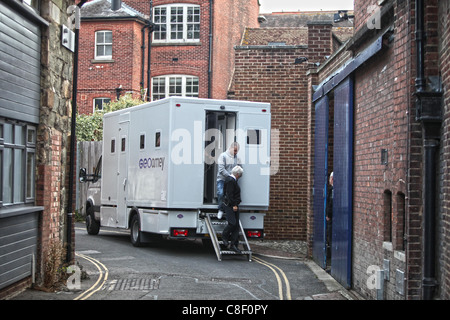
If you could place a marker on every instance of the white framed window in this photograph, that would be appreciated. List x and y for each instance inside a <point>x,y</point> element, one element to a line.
<point>103,45</point>
<point>99,103</point>
<point>174,85</point>
<point>176,23</point>
<point>17,163</point>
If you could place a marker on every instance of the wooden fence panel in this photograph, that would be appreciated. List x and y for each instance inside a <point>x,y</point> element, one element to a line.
<point>88,153</point>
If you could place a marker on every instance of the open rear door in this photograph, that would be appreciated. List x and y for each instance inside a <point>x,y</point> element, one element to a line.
<point>253,135</point>
<point>219,134</point>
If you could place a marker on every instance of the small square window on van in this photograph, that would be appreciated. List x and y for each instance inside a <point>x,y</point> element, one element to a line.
<point>253,136</point>
<point>142,142</point>
<point>158,139</point>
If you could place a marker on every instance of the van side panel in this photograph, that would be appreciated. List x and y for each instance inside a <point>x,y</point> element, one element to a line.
<point>149,158</point>
<point>186,156</point>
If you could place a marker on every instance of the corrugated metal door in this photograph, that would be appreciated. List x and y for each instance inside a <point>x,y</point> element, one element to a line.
<point>20,66</point>
<point>20,87</point>
<point>18,243</point>
<point>320,181</point>
<point>343,185</point>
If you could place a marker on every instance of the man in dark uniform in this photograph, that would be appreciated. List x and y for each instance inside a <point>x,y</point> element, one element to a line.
<point>329,216</point>
<point>231,201</point>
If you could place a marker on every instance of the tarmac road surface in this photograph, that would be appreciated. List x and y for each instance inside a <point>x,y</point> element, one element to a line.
<point>186,270</point>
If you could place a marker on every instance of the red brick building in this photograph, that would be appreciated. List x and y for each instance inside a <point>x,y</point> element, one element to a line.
<point>390,207</point>
<point>271,65</point>
<point>190,51</point>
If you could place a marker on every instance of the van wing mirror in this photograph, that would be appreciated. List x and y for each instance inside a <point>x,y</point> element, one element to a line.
<point>83,175</point>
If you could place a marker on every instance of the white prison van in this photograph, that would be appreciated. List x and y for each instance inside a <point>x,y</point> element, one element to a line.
<point>158,168</point>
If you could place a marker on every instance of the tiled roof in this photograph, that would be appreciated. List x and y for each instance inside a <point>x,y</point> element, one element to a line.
<point>265,36</point>
<point>102,9</point>
<point>343,33</point>
<point>290,28</point>
<point>287,36</point>
<point>300,19</point>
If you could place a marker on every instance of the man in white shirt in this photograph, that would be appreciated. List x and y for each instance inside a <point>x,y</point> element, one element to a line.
<point>226,161</point>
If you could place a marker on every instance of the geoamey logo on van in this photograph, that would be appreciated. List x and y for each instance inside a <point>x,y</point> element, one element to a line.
<point>150,163</point>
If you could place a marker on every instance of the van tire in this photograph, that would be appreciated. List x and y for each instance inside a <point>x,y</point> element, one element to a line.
<point>92,225</point>
<point>136,233</point>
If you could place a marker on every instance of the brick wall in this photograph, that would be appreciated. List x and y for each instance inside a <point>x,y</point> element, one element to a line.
<point>444,227</point>
<point>379,124</point>
<point>268,74</point>
<point>48,192</point>
<point>181,59</point>
<point>362,12</point>
<point>100,79</point>
<point>383,122</point>
<point>230,20</point>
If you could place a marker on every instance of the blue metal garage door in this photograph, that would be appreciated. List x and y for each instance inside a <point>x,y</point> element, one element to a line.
<point>343,183</point>
<point>320,180</point>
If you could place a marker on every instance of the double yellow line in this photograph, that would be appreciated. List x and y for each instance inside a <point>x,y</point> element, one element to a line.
<point>100,281</point>
<point>274,269</point>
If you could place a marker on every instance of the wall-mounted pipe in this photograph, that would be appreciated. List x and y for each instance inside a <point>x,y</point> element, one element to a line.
<point>429,225</point>
<point>72,143</point>
<point>420,47</point>
<point>211,21</point>
<point>142,83</point>
<point>428,106</point>
<point>149,25</point>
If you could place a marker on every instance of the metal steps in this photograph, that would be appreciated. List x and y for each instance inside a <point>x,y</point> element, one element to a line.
<point>215,228</point>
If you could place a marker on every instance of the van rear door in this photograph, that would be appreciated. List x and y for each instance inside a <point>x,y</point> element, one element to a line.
<point>254,138</point>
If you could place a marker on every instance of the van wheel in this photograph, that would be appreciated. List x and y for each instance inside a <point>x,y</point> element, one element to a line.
<point>136,233</point>
<point>92,225</point>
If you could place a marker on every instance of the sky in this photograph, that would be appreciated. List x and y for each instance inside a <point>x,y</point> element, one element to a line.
<point>268,6</point>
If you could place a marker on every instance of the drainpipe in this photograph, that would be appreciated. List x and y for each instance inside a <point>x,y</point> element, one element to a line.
<point>211,20</point>
<point>73,139</point>
<point>142,83</point>
<point>429,283</point>
<point>143,57</point>
<point>149,51</point>
<point>428,106</point>
<point>420,45</point>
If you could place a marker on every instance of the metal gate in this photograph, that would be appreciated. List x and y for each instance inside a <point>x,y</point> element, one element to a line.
<point>343,183</point>
<point>320,181</point>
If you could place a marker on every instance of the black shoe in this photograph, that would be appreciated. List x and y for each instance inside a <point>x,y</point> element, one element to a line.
<point>235,249</point>
<point>225,242</point>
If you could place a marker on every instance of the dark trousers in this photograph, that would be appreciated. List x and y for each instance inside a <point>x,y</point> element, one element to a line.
<point>231,231</point>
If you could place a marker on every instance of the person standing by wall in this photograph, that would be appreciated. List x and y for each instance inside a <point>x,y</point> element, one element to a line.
<point>329,215</point>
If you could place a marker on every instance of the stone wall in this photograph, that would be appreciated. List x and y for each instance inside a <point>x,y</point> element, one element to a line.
<point>53,136</point>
